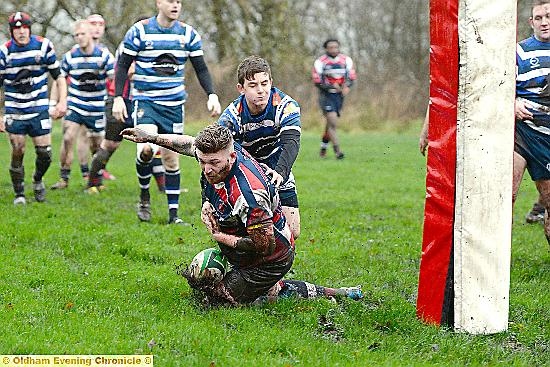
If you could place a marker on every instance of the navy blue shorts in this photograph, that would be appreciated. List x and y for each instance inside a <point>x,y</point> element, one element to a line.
<point>331,102</point>
<point>168,119</point>
<point>37,126</point>
<point>534,147</point>
<point>93,123</point>
<point>114,127</point>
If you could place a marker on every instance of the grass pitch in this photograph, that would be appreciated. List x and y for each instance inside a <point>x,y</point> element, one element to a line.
<point>80,275</point>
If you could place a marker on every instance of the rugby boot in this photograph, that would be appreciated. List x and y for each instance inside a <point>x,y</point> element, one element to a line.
<point>355,293</point>
<point>60,185</point>
<point>340,155</point>
<point>144,211</point>
<point>19,200</point>
<point>536,215</point>
<point>178,221</point>
<point>39,191</point>
<point>108,175</point>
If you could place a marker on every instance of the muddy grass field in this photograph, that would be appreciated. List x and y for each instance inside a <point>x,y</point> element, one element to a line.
<point>80,275</point>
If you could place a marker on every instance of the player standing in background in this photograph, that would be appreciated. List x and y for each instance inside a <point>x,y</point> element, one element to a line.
<point>25,61</point>
<point>266,122</point>
<point>532,109</point>
<point>160,46</point>
<point>333,73</point>
<point>88,67</point>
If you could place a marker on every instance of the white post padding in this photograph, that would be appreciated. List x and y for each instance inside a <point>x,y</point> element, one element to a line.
<point>485,140</point>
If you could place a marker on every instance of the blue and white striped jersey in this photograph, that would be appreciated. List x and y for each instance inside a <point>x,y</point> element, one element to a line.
<point>532,84</point>
<point>160,55</point>
<point>87,76</point>
<point>260,135</point>
<point>24,75</point>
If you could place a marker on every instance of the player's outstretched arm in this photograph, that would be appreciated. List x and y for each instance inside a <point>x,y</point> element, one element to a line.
<point>182,144</point>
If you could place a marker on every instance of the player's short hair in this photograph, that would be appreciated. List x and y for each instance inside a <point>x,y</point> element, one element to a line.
<point>81,23</point>
<point>214,138</point>
<point>538,2</point>
<point>251,66</point>
<point>95,18</point>
<point>325,44</point>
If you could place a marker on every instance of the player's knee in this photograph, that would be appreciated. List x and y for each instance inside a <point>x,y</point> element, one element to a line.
<point>44,153</point>
<point>146,154</point>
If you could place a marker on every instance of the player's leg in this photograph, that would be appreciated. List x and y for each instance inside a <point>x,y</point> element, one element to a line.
<point>145,153</point>
<point>159,171</point>
<point>332,121</point>
<point>70,131</point>
<point>43,149</point>
<point>172,174</point>
<point>303,289</point>
<point>289,203</point>
<point>519,168</point>
<point>83,150</point>
<point>536,214</point>
<point>17,170</point>
<point>324,103</point>
<point>543,186</point>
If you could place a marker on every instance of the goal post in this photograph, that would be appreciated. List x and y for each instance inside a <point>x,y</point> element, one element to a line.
<point>465,265</point>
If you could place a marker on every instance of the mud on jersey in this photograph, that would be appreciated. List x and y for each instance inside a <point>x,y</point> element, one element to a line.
<point>246,198</point>
<point>260,135</point>
<point>160,55</point>
<point>23,73</point>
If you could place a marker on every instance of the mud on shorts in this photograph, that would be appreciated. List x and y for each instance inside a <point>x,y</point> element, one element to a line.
<point>168,119</point>
<point>113,127</point>
<point>35,126</point>
<point>288,193</point>
<point>534,147</point>
<point>94,124</point>
<point>331,102</point>
<point>247,284</point>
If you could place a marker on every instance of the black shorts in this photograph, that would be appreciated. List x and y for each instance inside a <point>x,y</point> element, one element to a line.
<point>247,284</point>
<point>113,126</point>
<point>534,147</point>
<point>331,102</point>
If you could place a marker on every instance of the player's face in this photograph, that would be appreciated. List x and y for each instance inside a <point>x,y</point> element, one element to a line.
<point>333,49</point>
<point>256,92</point>
<point>97,28</point>
<point>540,22</point>
<point>22,35</point>
<point>216,166</point>
<point>169,9</point>
<point>82,35</point>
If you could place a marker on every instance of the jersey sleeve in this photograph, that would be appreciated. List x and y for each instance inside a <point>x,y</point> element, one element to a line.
<point>109,63</point>
<point>253,211</point>
<point>65,66</point>
<point>194,45</point>
<point>132,40</point>
<point>290,116</point>
<point>49,55</point>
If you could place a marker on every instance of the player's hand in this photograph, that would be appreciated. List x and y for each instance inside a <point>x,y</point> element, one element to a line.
<point>423,144</point>
<point>138,135</point>
<point>119,109</point>
<point>60,109</point>
<point>213,105</point>
<point>2,125</point>
<point>345,90</point>
<point>522,113</point>
<point>276,178</point>
<point>207,217</point>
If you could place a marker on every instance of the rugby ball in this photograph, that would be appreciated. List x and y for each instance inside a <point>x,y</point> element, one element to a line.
<point>209,263</point>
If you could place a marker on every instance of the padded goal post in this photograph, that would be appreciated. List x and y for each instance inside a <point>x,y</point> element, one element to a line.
<point>465,264</point>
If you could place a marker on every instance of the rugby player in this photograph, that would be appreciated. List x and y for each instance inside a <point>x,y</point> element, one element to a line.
<point>266,122</point>
<point>160,47</point>
<point>243,214</point>
<point>87,67</point>
<point>25,61</point>
<point>333,74</point>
